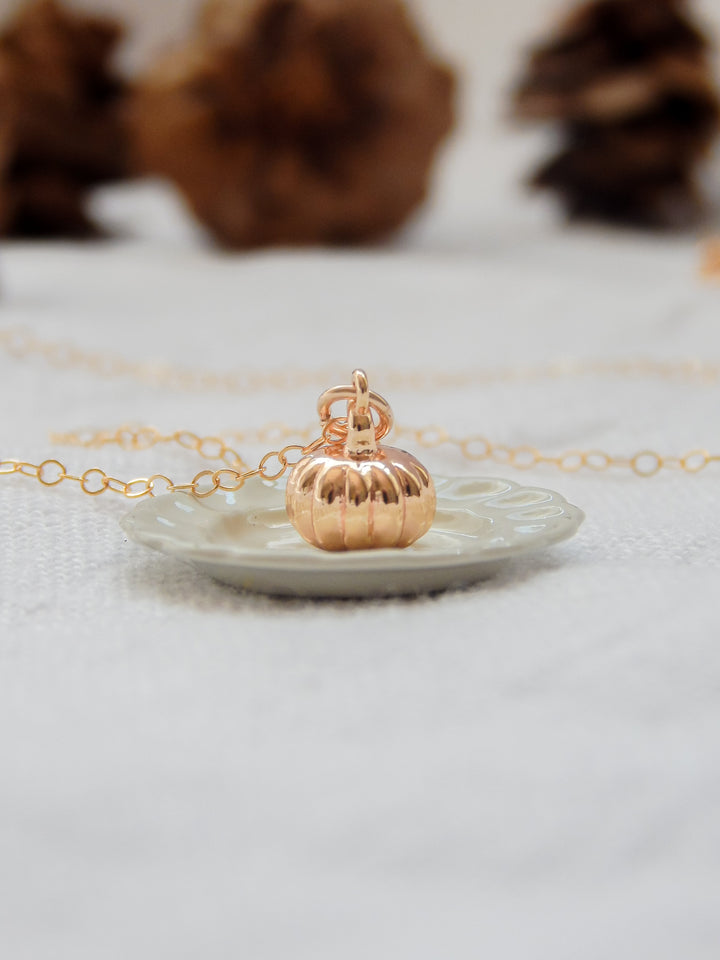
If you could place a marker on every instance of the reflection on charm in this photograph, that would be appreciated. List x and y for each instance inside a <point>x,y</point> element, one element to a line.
<point>354,494</point>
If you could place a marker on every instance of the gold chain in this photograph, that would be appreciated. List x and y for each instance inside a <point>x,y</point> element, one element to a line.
<point>95,481</point>
<point>234,472</point>
<point>710,266</point>
<point>20,344</point>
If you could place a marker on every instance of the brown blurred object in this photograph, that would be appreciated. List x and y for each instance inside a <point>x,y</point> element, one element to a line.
<point>296,121</point>
<point>60,128</point>
<point>710,268</point>
<point>630,83</point>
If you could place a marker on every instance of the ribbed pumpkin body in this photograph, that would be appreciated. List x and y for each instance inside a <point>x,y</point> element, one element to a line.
<point>338,502</point>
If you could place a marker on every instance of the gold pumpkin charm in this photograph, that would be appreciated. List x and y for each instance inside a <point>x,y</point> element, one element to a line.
<point>354,494</point>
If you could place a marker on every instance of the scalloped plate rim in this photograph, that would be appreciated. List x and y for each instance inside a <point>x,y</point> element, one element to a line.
<point>474,560</point>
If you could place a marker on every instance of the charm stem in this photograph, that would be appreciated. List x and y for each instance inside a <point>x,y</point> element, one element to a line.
<point>361,443</point>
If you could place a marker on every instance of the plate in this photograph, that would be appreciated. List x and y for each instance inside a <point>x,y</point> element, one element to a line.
<point>246,540</point>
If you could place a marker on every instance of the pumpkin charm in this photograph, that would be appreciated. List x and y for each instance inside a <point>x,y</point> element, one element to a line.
<point>354,494</point>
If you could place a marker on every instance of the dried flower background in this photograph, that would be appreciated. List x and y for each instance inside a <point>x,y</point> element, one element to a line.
<point>281,121</point>
<point>61,129</point>
<point>630,86</point>
<point>318,121</point>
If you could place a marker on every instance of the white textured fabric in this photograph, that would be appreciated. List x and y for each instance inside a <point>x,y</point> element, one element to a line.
<point>524,770</point>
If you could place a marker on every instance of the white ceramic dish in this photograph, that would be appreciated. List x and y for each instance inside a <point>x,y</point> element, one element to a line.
<point>246,540</point>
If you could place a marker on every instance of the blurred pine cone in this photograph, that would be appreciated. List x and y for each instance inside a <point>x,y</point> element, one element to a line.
<point>60,130</point>
<point>630,83</point>
<point>296,121</point>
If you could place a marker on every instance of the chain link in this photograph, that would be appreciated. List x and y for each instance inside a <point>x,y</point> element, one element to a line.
<point>234,472</point>
<point>21,344</point>
<point>645,463</point>
<point>95,481</point>
<point>710,267</point>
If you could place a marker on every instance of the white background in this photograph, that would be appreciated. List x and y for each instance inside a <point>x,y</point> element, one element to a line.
<point>523,771</point>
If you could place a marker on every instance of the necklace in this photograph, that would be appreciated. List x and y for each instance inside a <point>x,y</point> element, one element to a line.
<point>710,265</point>
<point>231,472</point>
